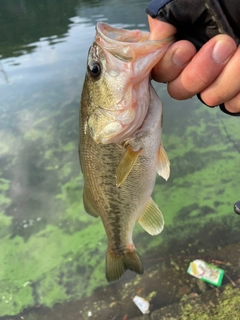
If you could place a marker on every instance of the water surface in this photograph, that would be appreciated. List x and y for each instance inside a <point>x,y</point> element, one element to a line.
<point>52,253</point>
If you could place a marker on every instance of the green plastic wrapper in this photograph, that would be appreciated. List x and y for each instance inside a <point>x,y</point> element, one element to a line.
<point>206,272</point>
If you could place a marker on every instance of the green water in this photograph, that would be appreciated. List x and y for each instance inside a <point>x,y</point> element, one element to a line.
<point>51,251</point>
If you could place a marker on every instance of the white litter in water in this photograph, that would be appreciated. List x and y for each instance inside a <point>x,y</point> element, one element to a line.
<point>89,313</point>
<point>142,304</point>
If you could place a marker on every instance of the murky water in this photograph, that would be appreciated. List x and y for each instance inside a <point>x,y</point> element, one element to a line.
<point>52,254</point>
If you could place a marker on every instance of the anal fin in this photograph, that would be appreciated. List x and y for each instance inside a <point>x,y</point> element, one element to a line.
<point>163,164</point>
<point>151,219</point>
<point>126,164</point>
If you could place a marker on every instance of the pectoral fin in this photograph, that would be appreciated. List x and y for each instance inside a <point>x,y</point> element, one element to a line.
<point>88,206</point>
<point>126,164</point>
<point>151,219</point>
<point>163,164</point>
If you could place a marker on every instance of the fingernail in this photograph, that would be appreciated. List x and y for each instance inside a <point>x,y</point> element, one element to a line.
<point>222,51</point>
<point>181,57</point>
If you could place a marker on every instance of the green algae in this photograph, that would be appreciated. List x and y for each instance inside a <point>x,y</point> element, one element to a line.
<point>4,199</point>
<point>64,260</point>
<point>226,306</point>
<point>44,267</point>
<point>49,265</point>
<point>63,257</point>
<point>13,299</point>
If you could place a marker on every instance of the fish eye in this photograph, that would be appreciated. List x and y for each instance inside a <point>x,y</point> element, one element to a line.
<point>94,69</point>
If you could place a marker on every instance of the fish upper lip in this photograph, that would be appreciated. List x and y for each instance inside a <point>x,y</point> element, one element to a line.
<point>110,31</point>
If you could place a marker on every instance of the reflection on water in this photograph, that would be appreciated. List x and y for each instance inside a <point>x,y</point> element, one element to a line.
<point>52,253</point>
<point>24,22</point>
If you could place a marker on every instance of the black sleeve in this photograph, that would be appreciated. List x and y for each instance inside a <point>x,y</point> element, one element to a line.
<point>199,20</point>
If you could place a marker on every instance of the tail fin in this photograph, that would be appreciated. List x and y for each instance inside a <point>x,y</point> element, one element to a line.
<point>117,264</point>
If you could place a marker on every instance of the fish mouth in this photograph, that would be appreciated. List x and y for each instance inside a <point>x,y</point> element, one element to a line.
<point>129,98</point>
<point>117,35</point>
<point>132,42</point>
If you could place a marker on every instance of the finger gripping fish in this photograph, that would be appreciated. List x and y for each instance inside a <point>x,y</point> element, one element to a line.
<point>120,146</point>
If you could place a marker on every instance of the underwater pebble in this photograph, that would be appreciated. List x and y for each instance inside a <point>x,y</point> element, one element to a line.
<point>237,207</point>
<point>26,283</point>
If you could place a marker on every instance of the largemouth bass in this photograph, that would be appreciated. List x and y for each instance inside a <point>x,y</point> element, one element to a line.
<point>120,145</point>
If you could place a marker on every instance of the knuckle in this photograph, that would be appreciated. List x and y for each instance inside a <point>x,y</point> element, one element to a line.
<point>196,80</point>
<point>212,99</point>
<point>233,105</point>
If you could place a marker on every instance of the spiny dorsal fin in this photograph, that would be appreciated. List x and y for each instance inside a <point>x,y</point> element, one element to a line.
<point>126,164</point>
<point>163,164</point>
<point>88,205</point>
<point>151,219</point>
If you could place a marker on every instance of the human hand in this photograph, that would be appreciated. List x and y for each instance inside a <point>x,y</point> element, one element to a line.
<point>214,71</point>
